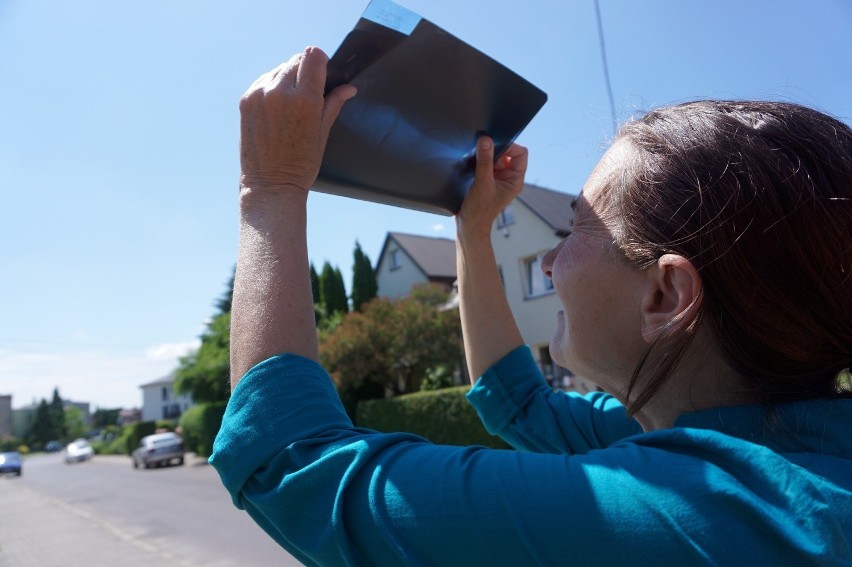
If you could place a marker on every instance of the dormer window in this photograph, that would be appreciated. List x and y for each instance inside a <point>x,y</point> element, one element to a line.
<point>506,217</point>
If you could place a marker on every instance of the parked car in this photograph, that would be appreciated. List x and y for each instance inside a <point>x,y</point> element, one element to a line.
<point>52,447</point>
<point>11,463</point>
<point>78,451</point>
<point>158,449</point>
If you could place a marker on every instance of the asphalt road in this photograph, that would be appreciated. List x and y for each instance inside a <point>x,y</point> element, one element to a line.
<point>179,515</point>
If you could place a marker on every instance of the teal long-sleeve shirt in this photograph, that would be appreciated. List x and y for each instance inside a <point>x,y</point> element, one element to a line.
<point>586,486</point>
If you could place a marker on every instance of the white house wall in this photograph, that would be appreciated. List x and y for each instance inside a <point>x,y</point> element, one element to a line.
<point>395,283</point>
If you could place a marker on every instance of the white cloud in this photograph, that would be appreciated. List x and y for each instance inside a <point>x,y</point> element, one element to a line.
<point>171,351</point>
<point>103,377</point>
<point>438,227</point>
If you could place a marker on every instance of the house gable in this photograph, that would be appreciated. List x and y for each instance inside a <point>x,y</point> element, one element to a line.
<point>407,260</point>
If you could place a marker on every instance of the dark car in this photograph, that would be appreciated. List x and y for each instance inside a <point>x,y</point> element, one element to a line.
<point>158,449</point>
<point>11,463</point>
<point>52,447</point>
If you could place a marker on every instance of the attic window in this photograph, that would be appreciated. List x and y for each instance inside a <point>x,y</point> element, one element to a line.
<point>506,217</point>
<point>395,260</point>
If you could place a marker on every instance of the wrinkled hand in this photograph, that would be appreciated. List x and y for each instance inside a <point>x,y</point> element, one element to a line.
<point>493,189</point>
<point>284,124</point>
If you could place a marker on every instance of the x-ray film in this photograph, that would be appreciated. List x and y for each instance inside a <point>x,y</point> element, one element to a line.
<point>408,138</point>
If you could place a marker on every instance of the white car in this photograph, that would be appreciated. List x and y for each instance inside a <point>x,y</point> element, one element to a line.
<point>158,449</point>
<point>78,451</point>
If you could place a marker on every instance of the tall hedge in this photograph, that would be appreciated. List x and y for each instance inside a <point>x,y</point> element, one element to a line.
<point>199,426</point>
<point>442,416</point>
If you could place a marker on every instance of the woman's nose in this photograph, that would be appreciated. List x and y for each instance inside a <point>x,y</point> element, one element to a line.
<point>547,259</point>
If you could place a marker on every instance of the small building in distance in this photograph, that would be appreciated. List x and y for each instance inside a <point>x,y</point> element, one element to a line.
<point>407,260</point>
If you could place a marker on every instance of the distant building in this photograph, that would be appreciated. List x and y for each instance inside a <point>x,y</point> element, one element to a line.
<point>5,416</point>
<point>22,420</point>
<point>131,415</point>
<point>407,260</point>
<point>159,400</point>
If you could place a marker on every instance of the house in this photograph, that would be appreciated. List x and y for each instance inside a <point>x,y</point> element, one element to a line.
<point>159,400</point>
<point>407,260</point>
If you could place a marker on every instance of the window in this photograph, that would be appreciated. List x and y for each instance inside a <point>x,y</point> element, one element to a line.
<point>165,393</point>
<point>395,260</point>
<point>506,217</point>
<point>535,282</point>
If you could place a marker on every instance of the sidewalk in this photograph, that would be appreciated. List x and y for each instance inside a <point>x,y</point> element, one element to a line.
<point>40,531</point>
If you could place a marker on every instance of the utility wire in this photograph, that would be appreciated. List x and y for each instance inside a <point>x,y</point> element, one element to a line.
<point>606,68</point>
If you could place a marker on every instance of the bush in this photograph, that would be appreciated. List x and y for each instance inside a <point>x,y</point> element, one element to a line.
<point>199,426</point>
<point>11,444</point>
<point>163,425</point>
<point>443,417</point>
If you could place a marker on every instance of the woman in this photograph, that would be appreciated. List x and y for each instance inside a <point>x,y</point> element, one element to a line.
<point>705,286</point>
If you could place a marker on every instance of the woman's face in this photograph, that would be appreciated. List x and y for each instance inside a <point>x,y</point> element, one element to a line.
<point>599,326</point>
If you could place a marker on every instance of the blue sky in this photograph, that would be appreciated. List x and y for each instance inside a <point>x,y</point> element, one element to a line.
<point>118,145</point>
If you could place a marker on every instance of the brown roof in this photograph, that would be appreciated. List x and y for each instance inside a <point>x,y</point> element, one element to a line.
<point>553,207</point>
<point>436,257</point>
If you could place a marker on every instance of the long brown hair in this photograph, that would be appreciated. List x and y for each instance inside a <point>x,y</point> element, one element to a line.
<point>758,196</point>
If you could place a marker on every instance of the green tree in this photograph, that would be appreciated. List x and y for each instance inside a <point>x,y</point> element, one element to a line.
<point>392,346</point>
<point>57,415</point>
<point>75,423</point>
<point>205,373</point>
<point>332,291</point>
<point>315,284</point>
<point>44,428</point>
<point>342,300</point>
<point>105,417</point>
<point>364,284</point>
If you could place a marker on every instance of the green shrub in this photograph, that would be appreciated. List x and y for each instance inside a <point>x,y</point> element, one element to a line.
<point>442,416</point>
<point>199,426</point>
<point>12,444</point>
<point>166,424</point>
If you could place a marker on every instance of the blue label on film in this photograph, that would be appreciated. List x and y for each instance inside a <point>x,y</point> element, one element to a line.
<point>390,15</point>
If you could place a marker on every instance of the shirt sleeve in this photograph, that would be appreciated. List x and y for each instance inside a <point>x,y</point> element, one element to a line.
<point>333,494</point>
<point>514,402</point>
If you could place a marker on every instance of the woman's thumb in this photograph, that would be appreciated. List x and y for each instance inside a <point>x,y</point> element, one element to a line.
<point>484,159</point>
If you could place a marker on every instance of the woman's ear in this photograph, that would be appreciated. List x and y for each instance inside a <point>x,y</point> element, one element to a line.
<point>673,292</point>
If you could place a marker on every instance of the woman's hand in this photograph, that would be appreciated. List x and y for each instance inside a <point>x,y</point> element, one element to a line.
<point>493,189</point>
<point>284,124</point>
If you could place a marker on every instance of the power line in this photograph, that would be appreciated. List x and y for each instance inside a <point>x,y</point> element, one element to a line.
<point>606,68</point>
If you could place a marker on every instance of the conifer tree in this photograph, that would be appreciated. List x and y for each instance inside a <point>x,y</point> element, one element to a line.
<point>332,291</point>
<point>364,284</point>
